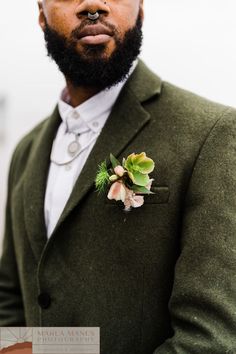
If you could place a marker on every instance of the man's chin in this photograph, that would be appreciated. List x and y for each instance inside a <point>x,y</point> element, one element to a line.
<point>98,51</point>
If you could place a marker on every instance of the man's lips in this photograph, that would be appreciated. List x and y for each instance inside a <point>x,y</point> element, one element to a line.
<point>95,34</point>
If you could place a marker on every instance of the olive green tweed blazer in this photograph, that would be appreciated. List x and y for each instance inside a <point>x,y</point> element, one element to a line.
<point>159,279</point>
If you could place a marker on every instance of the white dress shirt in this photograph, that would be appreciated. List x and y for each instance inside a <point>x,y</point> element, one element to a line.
<point>87,120</point>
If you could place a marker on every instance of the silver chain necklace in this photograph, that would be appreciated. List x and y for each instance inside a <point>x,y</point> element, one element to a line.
<point>73,149</point>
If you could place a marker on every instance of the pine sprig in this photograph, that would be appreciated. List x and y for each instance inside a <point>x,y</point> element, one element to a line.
<point>102,178</point>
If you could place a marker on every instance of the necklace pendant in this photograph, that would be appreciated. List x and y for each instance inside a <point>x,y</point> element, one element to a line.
<point>73,148</point>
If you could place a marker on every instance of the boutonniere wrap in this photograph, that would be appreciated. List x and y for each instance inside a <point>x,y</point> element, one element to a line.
<point>127,182</point>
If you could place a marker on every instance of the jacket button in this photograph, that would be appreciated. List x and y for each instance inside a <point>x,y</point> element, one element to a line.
<point>44,300</point>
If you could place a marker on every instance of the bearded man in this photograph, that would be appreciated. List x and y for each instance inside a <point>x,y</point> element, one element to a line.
<point>157,279</point>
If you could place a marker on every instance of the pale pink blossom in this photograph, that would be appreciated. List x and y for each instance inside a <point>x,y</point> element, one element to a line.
<point>132,200</point>
<point>117,191</point>
<point>119,171</point>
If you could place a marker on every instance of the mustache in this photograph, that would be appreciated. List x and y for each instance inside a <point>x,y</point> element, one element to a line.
<point>76,33</point>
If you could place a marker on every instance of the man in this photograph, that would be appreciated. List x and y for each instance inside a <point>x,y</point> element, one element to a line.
<point>160,278</point>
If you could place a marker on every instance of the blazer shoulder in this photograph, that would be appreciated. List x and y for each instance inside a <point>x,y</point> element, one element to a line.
<point>192,113</point>
<point>187,103</point>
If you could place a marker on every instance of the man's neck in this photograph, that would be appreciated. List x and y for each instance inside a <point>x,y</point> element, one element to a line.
<point>78,95</point>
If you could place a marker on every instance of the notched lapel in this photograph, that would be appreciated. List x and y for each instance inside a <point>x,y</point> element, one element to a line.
<point>35,184</point>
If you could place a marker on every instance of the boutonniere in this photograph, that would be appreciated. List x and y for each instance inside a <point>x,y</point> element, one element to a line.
<point>129,181</point>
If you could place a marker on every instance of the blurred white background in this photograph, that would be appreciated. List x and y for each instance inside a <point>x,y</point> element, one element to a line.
<point>190,43</point>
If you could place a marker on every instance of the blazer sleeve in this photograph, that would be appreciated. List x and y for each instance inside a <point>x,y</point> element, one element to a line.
<point>11,303</point>
<point>203,301</point>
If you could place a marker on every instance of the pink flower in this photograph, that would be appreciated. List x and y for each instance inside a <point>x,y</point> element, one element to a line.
<point>132,200</point>
<point>117,191</point>
<point>119,171</point>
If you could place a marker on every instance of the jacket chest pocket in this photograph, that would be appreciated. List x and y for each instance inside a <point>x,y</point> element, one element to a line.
<point>160,196</point>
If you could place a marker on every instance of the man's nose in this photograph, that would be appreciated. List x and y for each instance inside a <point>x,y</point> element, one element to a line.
<point>92,6</point>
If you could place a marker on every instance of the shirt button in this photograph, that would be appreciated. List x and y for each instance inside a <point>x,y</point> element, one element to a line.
<point>95,124</point>
<point>44,300</point>
<point>75,115</point>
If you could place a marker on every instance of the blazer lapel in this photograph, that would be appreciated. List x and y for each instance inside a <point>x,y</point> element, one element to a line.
<point>127,119</point>
<point>35,184</point>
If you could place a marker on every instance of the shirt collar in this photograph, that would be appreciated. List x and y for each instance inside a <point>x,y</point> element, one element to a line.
<point>91,114</point>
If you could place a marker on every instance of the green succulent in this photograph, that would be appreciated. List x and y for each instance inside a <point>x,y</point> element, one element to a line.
<point>138,167</point>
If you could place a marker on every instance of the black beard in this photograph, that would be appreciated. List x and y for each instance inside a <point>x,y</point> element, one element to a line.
<point>93,69</point>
